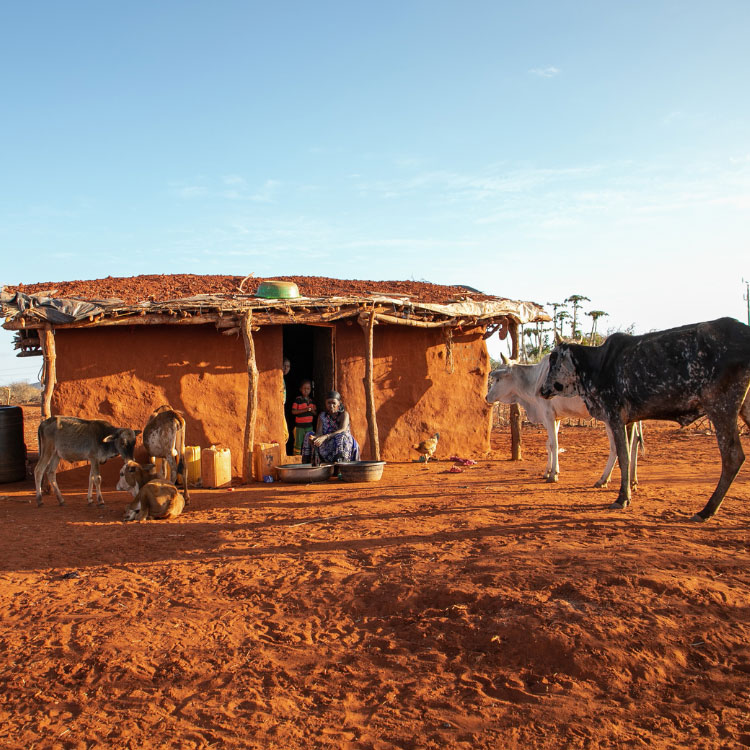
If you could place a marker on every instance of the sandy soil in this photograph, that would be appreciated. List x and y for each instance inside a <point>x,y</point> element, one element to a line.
<point>482,609</point>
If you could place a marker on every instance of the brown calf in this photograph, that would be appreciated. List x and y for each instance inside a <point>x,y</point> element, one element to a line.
<point>164,437</point>
<point>157,499</point>
<point>133,476</point>
<point>153,497</point>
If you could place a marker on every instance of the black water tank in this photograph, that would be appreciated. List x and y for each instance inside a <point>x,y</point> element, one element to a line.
<point>12,447</point>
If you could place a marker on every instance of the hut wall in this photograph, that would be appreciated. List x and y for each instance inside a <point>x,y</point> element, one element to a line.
<point>123,374</point>
<point>417,390</point>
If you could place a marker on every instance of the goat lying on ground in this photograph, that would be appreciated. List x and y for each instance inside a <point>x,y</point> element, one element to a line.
<point>152,497</point>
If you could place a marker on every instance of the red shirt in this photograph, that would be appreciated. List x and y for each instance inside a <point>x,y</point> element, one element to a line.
<point>300,411</point>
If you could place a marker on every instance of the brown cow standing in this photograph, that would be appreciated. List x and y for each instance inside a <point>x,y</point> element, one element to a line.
<point>164,437</point>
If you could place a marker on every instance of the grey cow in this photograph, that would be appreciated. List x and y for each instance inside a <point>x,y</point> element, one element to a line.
<point>74,439</point>
<point>679,374</point>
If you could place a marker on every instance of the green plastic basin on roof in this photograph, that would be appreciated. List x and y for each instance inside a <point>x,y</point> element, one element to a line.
<point>277,290</point>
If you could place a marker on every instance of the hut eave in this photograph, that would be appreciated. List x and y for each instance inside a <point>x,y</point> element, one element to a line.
<point>33,311</point>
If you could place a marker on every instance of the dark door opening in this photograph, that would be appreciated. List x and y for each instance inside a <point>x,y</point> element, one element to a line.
<point>310,351</point>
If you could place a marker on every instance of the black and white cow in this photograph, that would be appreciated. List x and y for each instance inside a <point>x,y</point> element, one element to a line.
<point>680,374</point>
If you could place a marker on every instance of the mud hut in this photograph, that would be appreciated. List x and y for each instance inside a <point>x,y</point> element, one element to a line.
<point>409,358</point>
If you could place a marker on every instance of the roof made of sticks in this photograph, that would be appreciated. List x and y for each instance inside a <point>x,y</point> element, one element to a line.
<point>177,297</point>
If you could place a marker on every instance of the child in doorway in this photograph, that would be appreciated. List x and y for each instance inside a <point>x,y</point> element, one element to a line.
<point>303,411</point>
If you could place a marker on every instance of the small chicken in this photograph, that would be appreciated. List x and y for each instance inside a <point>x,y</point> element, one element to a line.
<point>427,447</point>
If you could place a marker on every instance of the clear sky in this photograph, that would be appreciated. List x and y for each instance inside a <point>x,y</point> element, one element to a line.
<point>531,150</point>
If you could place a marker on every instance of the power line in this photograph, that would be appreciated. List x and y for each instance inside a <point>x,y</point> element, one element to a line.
<point>18,369</point>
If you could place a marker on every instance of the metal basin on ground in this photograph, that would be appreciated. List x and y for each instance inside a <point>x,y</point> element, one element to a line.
<point>304,473</point>
<point>361,471</point>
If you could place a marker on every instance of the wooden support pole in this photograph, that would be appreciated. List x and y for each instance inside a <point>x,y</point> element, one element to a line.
<point>515,409</point>
<point>252,396</point>
<point>372,420</point>
<point>395,320</point>
<point>49,372</point>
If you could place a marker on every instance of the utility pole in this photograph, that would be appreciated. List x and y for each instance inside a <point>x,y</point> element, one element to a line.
<point>746,297</point>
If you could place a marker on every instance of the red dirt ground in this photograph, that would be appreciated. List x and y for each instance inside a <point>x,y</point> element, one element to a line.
<point>482,609</point>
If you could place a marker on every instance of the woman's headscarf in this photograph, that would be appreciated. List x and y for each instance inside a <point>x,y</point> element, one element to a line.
<point>335,394</point>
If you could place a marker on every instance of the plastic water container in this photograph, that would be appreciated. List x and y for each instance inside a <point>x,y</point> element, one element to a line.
<point>216,467</point>
<point>193,463</point>
<point>266,457</point>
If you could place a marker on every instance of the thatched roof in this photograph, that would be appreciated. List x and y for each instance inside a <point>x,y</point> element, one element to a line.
<point>162,288</point>
<point>186,299</point>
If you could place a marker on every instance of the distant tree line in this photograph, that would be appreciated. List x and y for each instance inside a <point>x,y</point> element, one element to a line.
<point>20,393</point>
<point>568,322</point>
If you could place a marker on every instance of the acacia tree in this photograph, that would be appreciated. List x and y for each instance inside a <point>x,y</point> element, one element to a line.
<point>555,307</point>
<point>529,351</point>
<point>576,300</point>
<point>594,315</point>
<point>538,344</point>
<point>540,340</point>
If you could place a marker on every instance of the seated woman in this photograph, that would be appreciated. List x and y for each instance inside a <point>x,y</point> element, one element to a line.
<point>333,440</point>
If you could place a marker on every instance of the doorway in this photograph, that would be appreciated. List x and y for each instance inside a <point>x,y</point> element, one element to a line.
<point>310,350</point>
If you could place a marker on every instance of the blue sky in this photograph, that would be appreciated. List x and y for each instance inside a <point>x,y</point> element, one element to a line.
<point>531,150</point>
